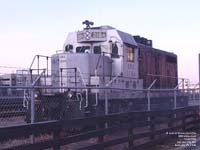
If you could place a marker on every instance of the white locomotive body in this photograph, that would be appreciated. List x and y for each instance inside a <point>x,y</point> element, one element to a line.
<point>102,67</point>
<point>101,56</point>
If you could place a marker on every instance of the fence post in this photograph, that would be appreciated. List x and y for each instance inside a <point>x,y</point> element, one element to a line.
<point>148,95</point>
<point>171,116</point>
<point>175,101</point>
<point>101,137</point>
<point>106,107</point>
<point>56,137</point>
<point>130,137</point>
<point>106,103</point>
<point>32,112</point>
<point>149,108</point>
<point>183,121</point>
<point>175,94</point>
<point>32,107</point>
<point>149,100</point>
<point>170,120</point>
<point>199,82</point>
<point>152,126</point>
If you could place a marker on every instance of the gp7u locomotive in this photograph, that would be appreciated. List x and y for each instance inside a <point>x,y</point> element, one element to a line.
<point>106,57</point>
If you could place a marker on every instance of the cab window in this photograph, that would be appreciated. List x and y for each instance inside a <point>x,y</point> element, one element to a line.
<point>115,51</point>
<point>68,47</point>
<point>97,49</point>
<point>130,54</point>
<point>81,49</point>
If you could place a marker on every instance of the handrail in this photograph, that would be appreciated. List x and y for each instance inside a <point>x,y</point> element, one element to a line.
<point>154,81</point>
<point>85,87</point>
<point>33,61</point>
<point>38,62</point>
<point>25,100</point>
<point>80,101</point>
<point>111,81</point>
<point>78,69</point>
<point>86,99</point>
<point>86,95</point>
<point>96,99</point>
<point>37,79</point>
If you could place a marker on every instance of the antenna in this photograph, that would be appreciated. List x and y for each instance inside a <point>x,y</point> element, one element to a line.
<point>88,23</point>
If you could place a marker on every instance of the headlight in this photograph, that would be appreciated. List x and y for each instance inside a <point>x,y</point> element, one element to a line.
<point>69,94</point>
<point>36,95</point>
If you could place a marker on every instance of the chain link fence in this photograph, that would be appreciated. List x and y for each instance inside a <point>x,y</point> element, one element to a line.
<point>12,110</point>
<point>36,104</point>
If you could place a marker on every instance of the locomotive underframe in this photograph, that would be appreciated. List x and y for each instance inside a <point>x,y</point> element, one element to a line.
<point>59,106</point>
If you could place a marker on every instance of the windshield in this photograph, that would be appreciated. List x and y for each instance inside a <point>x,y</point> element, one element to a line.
<point>97,49</point>
<point>86,49</point>
<point>81,49</point>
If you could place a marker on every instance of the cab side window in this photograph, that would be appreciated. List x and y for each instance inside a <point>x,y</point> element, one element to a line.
<point>130,54</point>
<point>68,47</point>
<point>82,49</point>
<point>97,50</point>
<point>115,50</point>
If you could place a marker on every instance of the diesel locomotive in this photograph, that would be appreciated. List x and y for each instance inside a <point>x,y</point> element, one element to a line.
<point>108,58</point>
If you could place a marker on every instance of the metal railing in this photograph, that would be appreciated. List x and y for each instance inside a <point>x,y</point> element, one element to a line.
<point>136,124</point>
<point>28,104</point>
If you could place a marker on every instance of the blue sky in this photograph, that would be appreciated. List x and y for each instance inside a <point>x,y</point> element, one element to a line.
<point>35,27</point>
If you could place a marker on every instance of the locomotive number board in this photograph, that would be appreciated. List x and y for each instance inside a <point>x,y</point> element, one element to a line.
<point>91,35</point>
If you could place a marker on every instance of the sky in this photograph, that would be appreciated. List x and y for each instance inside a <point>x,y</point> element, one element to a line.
<point>28,28</point>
